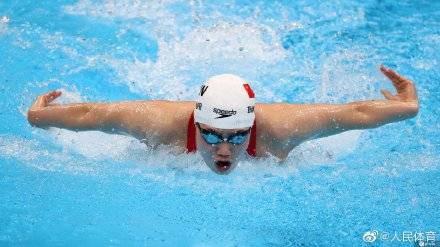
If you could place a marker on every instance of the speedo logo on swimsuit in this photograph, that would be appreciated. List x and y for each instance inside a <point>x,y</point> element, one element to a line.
<point>224,113</point>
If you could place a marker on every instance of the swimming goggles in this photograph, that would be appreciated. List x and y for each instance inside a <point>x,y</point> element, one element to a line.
<point>213,138</point>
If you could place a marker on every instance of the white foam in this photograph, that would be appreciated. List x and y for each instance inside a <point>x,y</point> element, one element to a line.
<point>93,144</point>
<point>203,52</point>
<point>155,165</point>
<point>395,165</point>
<point>325,150</point>
<point>161,21</point>
<point>186,57</point>
<point>344,78</point>
<point>71,95</point>
<point>34,154</point>
<point>4,20</point>
<point>121,9</point>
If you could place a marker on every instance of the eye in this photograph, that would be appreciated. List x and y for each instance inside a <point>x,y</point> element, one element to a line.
<point>237,139</point>
<point>211,138</point>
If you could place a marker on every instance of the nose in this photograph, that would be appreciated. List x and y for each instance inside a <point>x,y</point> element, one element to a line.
<point>224,150</point>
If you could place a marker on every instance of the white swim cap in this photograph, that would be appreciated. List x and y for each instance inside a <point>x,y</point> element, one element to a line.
<point>226,102</point>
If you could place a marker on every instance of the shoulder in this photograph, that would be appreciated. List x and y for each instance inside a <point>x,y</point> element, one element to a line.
<point>164,120</point>
<point>274,127</point>
<point>157,104</point>
<point>175,116</point>
<point>272,119</point>
<point>151,111</point>
<point>281,120</point>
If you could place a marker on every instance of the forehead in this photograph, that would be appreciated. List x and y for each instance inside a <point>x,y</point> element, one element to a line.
<point>224,131</point>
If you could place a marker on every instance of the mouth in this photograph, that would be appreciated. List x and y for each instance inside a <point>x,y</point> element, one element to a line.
<point>222,166</point>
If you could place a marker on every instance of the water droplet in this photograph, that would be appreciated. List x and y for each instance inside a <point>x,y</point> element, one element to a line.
<point>4,19</point>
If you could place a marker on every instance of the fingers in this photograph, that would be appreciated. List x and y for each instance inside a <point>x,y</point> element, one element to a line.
<point>402,85</point>
<point>393,76</point>
<point>52,95</point>
<point>46,98</point>
<point>405,88</point>
<point>388,94</point>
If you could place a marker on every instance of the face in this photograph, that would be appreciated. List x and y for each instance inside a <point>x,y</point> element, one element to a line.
<point>222,157</point>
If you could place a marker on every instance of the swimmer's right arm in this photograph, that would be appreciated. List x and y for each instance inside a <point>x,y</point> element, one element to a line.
<point>77,116</point>
<point>141,119</point>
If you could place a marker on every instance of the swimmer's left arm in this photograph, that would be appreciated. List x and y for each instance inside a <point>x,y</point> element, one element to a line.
<point>374,113</point>
<point>298,123</point>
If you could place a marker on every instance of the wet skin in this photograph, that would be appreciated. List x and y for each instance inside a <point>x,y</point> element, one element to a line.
<point>282,126</point>
<point>220,158</point>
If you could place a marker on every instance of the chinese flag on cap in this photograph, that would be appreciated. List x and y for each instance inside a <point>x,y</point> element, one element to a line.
<point>249,90</point>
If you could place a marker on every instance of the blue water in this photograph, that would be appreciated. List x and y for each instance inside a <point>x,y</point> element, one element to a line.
<point>61,188</point>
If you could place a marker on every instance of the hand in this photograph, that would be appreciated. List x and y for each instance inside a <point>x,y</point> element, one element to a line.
<point>406,91</point>
<point>45,99</point>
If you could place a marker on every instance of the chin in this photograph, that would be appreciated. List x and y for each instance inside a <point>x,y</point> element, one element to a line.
<point>222,167</point>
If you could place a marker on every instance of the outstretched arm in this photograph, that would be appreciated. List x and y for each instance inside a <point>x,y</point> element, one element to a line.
<point>78,116</point>
<point>374,113</point>
<point>156,122</point>
<point>299,123</point>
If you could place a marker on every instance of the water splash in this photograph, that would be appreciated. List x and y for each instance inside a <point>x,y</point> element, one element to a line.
<point>4,20</point>
<point>214,43</point>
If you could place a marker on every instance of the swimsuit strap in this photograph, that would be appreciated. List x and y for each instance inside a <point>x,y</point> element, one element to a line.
<point>191,138</point>
<point>191,135</point>
<point>252,148</point>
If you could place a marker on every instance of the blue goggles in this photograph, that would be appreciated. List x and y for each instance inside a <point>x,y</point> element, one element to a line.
<point>213,138</point>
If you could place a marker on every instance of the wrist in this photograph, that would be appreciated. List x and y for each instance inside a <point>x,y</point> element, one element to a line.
<point>413,107</point>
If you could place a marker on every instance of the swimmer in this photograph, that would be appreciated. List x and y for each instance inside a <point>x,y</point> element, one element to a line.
<point>226,124</point>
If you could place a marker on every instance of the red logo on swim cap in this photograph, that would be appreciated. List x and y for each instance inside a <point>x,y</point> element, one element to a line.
<point>249,90</point>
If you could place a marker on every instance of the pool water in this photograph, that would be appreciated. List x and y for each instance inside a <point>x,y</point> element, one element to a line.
<point>62,188</point>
